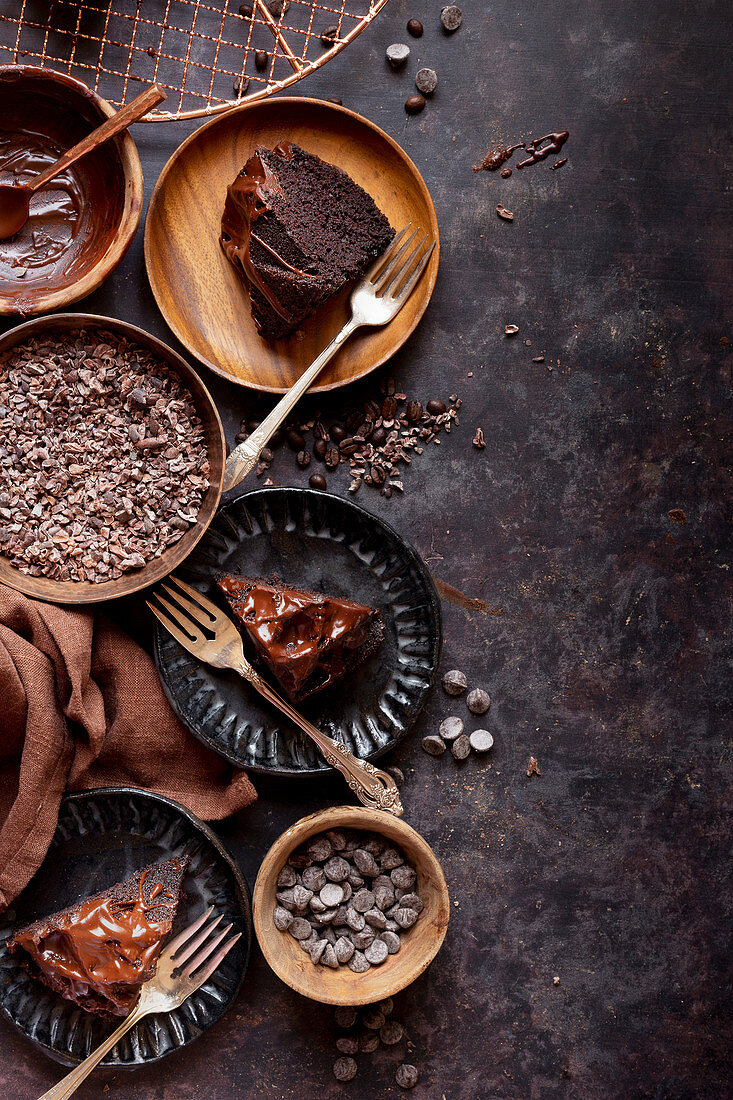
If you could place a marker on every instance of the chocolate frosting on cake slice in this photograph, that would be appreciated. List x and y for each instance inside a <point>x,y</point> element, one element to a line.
<point>297,230</point>
<point>99,951</point>
<point>307,640</point>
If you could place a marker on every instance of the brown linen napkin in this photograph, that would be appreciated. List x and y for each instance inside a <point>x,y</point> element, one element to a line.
<point>81,706</point>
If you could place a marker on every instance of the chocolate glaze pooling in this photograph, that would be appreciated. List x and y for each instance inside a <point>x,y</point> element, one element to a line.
<point>539,151</point>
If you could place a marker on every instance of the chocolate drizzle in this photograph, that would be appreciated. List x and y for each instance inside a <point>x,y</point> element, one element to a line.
<point>496,157</point>
<point>539,151</point>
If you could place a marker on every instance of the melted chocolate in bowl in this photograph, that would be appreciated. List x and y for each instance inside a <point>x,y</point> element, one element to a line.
<point>74,219</point>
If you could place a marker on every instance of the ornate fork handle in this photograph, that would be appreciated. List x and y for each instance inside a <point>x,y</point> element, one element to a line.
<point>372,786</point>
<point>68,1085</point>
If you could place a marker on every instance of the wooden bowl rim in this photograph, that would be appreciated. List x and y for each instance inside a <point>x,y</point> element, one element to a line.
<point>295,834</point>
<point>430,275</point>
<point>85,592</point>
<point>132,209</point>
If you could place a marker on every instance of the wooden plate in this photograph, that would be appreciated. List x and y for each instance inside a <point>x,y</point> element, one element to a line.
<point>102,837</point>
<point>199,292</point>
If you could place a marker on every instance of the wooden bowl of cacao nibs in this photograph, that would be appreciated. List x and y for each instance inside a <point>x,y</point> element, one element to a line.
<point>350,906</point>
<point>111,459</point>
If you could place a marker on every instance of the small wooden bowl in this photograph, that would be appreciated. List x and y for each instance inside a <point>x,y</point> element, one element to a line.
<point>200,294</point>
<point>59,108</point>
<point>343,987</point>
<point>80,592</point>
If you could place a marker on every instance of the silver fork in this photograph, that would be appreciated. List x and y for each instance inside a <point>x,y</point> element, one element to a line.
<point>169,987</point>
<point>189,623</point>
<point>375,300</point>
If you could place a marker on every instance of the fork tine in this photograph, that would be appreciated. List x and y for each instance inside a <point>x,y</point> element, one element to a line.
<point>195,943</point>
<point>208,605</point>
<point>171,623</point>
<point>410,284</point>
<point>216,960</point>
<point>181,938</point>
<point>206,952</point>
<point>404,269</point>
<point>394,263</point>
<point>199,614</point>
<point>380,261</point>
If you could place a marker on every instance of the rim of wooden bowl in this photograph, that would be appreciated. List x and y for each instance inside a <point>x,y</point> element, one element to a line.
<point>343,987</point>
<point>227,119</point>
<point>82,592</point>
<point>131,212</point>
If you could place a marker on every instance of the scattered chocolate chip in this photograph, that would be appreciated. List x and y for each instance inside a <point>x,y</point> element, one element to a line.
<point>533,767</point>
<point>414,104</point>
<point>346,1044</point>
<point>433,745</point>
<point>426,81</point>
<point>344,1069</point>
<point>241,84</point>
<point>415,28</point>
<point>345,1016</point>
<point>397,774</point>
<point>481,740</point>
<point>260,59</point>
<point>511,330</point>
<point>435,407</point>
<point>478,701</point>
<point>317,481</point>
<point>391,1033</point>
<point>454,682</point>
<point>329,36</point>
<point>461,747</point>
<point>451,17</point>
<point>368,1042</point>
<point>397,54</point>
<point>406,1076</point>
<point>303,458</point>
<point>504,213</point>
<point>451,728</point>
<point>478,440</point>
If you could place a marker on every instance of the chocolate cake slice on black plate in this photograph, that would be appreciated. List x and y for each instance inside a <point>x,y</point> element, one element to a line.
<point>307,640</point>
<point>99,951</point>
<point>297,230</point>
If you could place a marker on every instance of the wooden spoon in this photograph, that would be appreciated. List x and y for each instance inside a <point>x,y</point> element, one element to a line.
<point>15,198</point>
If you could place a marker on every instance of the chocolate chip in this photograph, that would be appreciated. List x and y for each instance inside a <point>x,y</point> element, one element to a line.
<point>451,17</point>
<point>460,749</point>
<point>331,894</point>
<point>426,81</point>
<point>390,859</point>
<point>260,60</point>
<point>301,896</point>
<point>329,36</point>
<point>368,1040</point>
<point>363,900</point>
<point>414,104</point>
<point>329,958</point>
<point>317,481</point>
<point>403,876</point>
<point>358,963</point>
<point>344,1069</point>
<point>337,869</point>
<point>415,28</point>
<point>392,940</point>
<point>406,1076</point>
<point>376,953</point>
<point>387,1006</point>
<point>454,682</point>
<point>355,919</point>
<point>345,1016</point>
<point>362,939</point>
<point>301,929</point>
<point>436,407</point>
<point>283,918</point>
<point>375,918</point>
<point>373,1018</point>
<point>412,901</point>
<point>478,701</point>
<point>344,949</point>
<point>397,54</point>
<point>451,728</point>
<point>366,863</point>
<point>303,458</point>
<point>317,950</point>
<point>481,740</point>
<point>433,745</point>
<point>296,440</point>
<point>397,774</point>
<point>287,877</point>
<point>391,1033</point>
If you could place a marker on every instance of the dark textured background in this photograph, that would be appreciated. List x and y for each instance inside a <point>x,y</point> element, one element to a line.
<point>603,648</point>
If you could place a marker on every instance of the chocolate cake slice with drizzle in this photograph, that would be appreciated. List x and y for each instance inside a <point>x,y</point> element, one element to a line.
<point>99,951</point>
<point>307,640</point>
<point>297,230</point>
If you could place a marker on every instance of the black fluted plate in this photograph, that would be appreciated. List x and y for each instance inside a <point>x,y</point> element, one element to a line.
<point>320,542</point>
<point>102,837</point>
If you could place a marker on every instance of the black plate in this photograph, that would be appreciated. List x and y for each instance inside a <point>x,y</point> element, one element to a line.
<point>102,837</point>
<point>324,543</point>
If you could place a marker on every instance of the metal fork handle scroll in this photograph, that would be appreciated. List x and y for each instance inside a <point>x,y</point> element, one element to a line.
<point>372,786</point>
<point>245,457</point>
<point>69,1084</point>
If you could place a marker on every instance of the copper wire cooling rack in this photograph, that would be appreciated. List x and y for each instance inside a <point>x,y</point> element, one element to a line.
<point>202,54</point>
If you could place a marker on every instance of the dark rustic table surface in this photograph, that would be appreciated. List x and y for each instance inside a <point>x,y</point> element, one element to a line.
<point>586,547</point>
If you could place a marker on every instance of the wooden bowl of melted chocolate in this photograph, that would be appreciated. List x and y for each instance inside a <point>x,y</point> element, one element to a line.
<point>81,225</point>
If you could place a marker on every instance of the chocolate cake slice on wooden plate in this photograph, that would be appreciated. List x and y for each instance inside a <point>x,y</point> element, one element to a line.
<point>307,640</point>
<point>99,951</point>
<point>297,230</point>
